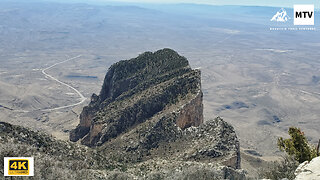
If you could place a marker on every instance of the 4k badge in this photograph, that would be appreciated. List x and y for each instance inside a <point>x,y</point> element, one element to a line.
<point>18,166</point>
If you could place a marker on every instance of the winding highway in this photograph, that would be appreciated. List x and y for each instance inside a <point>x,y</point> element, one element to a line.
<point>82,98</point>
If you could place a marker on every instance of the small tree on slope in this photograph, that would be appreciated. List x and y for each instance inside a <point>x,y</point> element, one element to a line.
<point>297,146</point>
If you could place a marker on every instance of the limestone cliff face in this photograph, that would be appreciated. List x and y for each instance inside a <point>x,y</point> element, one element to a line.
<point>308,170</point>
<point>149,108</point>
<point>84,126</point>
<point>192,113</point>
<point>137,89</point>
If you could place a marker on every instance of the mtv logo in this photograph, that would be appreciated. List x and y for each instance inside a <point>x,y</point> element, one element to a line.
<point>303,14</point>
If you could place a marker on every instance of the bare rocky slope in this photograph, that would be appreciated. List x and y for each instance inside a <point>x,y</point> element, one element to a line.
<point>136,90</point>
<point>146,123</point>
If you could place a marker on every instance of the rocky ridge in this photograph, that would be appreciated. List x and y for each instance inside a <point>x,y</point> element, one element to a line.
<point>56,159</point>
<point>146,123</point>
<point>135,90</point>
<point>151,107</point>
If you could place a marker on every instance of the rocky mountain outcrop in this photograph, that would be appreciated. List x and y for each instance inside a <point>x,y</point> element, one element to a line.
<point>146,123</point>
<point>149,114</point>
<point>309,170</point>
<point>135,90</point>
<point>56,159</point>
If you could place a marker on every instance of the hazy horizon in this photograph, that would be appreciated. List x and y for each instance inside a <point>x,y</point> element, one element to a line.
<point>270,3</point>
<point>260,76</point>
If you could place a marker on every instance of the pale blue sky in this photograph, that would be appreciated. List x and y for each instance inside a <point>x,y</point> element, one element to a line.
<point>276,3</point>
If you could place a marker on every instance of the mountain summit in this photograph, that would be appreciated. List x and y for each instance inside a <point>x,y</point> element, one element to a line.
<point>149,111</point>
<point>137,90</point>
<point>146,123</point>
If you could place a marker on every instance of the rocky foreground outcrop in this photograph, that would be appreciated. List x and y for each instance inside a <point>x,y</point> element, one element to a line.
<point>308,170</point>
<point>56,159</point>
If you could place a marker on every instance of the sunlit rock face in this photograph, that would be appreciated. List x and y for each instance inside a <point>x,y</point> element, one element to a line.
<point>309,170</point>
<point>138,89</point>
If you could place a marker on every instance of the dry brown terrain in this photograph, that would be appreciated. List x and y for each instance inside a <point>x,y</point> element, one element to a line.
<point>261,82</point>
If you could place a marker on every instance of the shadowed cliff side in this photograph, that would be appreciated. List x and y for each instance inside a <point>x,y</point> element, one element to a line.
<point>135,90</point>
<point>150,113</point>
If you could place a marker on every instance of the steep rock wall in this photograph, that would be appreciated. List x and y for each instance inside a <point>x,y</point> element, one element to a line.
<point>192,113</point>
<point>151,106</point>
<point>137,89</point>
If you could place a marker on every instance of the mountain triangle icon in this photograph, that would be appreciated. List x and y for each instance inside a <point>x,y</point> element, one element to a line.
<point>281,16</point>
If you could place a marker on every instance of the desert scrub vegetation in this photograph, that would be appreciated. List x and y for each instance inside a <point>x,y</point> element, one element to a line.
<point>298,150</point>
<point>297,146</point>
<point>54,159</point>
<point>280,170</point>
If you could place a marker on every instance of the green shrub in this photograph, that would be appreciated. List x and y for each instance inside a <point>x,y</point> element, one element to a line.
<point>297,146</point>
<point>298,149</point>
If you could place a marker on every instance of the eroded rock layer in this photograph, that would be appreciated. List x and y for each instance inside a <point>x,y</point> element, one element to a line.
<point>135,90</point>
<point>150,110</point>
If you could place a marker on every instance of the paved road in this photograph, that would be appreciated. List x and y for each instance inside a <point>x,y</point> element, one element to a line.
<point>82,98</point>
